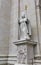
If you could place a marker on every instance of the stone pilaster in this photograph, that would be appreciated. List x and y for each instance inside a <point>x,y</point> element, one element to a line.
<point>25,52</point>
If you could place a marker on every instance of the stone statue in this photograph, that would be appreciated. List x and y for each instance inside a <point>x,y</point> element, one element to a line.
<point>24,28</point>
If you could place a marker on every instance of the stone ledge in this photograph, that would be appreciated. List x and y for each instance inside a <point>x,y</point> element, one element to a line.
<point>3,64</point>
<point>21,64</point>
<point>7,64</point>
<point>18,42</point>
<point>38,57</point>
<point>10,64</point>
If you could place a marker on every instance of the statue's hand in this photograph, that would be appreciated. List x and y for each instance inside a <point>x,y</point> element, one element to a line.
<point>30,36</point>
<point>19,23</point>
<point>28,33</point>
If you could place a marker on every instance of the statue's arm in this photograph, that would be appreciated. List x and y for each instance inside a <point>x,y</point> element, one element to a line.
<point>29,27</point>
<point>27,21</point>
<point>19,22</point>
<point>18,29</point>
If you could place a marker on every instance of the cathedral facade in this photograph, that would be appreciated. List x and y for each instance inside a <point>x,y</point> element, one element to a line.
<point>10,13</point>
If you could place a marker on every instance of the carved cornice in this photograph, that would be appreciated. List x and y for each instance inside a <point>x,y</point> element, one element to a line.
<point>7,58</point>
<point>38,57</point>
<point>30,42</point>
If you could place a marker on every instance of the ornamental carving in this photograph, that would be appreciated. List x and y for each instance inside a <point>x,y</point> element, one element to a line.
<point>22,54</point>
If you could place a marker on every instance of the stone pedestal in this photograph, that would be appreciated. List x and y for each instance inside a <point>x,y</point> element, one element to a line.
<point>25,52</point>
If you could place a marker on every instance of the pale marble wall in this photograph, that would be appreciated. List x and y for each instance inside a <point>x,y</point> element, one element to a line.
<point>9,27</point>
<point>0,3</point>
<point>14,24</point>
<point>13,32</point>
<point>4,29</point>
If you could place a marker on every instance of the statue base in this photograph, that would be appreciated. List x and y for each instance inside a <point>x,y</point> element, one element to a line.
<point>25,52</point>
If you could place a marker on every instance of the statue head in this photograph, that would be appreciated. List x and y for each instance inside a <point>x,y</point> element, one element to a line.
<point>23,15</point>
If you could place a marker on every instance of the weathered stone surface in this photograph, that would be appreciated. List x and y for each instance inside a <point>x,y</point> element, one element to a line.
<point>22,54</point>
<point>24,51</point>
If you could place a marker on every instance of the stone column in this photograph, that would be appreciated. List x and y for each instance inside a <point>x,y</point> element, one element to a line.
<point>38,27</point>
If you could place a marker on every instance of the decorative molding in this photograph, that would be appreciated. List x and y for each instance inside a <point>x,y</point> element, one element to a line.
<point>7,64</point>
<point>18,42</point>
<point>24,50</point>
<point>37,57</point>
<point>22,54</point>
<point>10,64</point>
<point>3,56</point>
<point>3,64</point>
<point>12,58</point>
<point>5,59</point>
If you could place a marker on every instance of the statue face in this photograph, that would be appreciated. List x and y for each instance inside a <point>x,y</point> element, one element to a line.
<point>23,15</point>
